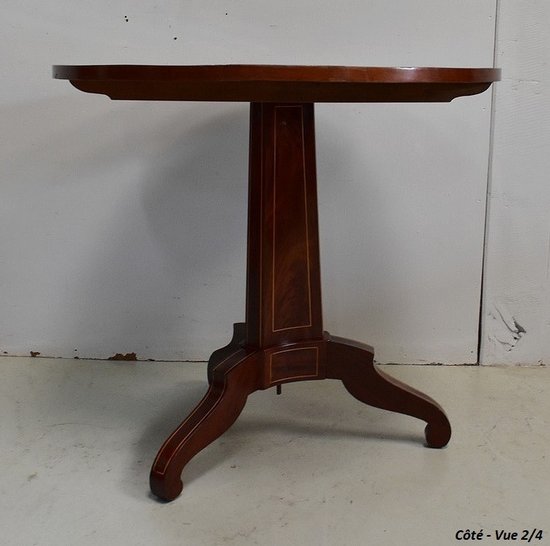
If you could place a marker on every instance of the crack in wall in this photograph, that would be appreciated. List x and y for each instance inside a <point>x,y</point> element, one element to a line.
<point>504,329</point>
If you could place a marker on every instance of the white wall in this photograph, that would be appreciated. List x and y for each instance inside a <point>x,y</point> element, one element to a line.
<point>122,225</point>
<point>516,310</point>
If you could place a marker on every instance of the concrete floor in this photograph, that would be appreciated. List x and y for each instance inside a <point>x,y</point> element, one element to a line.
<point>312,466</point>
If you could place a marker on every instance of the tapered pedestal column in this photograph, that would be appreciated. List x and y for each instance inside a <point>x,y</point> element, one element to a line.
<point>282,339</point>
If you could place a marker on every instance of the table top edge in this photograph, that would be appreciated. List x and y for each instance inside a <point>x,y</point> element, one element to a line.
<point>277,73</point>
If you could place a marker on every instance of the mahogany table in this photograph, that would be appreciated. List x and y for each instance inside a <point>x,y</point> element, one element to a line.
<point>282,338</point>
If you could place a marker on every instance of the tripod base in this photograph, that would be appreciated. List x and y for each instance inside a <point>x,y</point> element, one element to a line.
<point>235,371</point>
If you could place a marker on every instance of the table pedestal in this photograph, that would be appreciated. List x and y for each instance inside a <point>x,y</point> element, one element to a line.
<point>282,339</point>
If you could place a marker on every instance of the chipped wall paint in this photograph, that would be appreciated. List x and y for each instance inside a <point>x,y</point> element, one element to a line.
<point>516,307</point>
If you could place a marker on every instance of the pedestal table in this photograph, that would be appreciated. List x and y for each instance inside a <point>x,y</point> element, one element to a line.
<point>282,338</point>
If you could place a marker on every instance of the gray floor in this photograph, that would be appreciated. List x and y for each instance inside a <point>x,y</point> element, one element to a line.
<point>312,466</point>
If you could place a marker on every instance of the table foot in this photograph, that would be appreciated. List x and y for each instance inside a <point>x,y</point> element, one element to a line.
<point>352,363</point>
<point>232,380</point>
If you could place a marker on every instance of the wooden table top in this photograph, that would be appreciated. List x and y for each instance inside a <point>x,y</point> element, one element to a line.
<point>278,83</point>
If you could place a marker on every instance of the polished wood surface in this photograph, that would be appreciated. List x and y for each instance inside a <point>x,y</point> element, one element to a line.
<point>278,83</point>
<point>283,283</point>
<point>282,338</point>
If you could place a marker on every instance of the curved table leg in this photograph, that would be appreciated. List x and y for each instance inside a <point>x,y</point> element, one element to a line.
<point>233,379</point>
<point>352,363</point>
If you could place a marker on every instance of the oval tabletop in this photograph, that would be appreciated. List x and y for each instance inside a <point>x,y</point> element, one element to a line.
<point>278,83</point>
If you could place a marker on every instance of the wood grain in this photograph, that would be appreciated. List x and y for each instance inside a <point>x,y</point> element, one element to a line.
<point>283,278</point>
